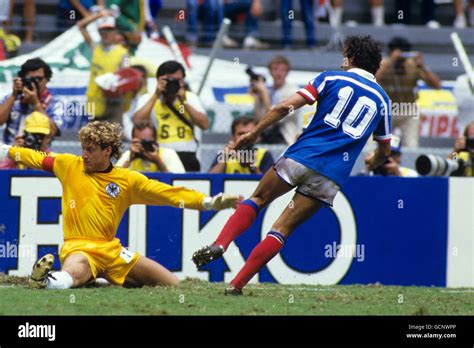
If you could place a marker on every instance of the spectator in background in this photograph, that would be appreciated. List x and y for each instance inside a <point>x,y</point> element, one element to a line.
<point>11,43</point>
<point>251,160</point>
<point>145,155</point>
<point>37,136</point>
<point>377,11</point>
<point>460,21</point>
<point>392,166</point>
<point>213,12</point>
<point>152,7</point>
<point>175,112</point>
<point>107,57</point>
<point>427,10</point>
<point>287,14</point>
<point>29,17</point>
<point>287,130</point>
<point>398,76</point>
<point>464,149</point>
<point>30,93</point>
<point>70,11</point>
<point>130,21</point>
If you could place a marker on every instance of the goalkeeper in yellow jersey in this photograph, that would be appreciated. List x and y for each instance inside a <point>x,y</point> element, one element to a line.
<point>95,196</point>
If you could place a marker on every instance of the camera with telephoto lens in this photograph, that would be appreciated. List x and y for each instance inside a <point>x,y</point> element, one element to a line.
<point>33,140</point>
<point>434,165</point>
<point>172,87</point>
<point>253,75</point>
<point>148,145</point>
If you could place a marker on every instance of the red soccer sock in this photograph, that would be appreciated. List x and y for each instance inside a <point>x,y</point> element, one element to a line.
<point>259,257</point>
<point>238,223</point>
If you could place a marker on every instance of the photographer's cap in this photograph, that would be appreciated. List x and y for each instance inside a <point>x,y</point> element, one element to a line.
<point>107,22</point>
<point>396,144</point>
<point>36,122</point>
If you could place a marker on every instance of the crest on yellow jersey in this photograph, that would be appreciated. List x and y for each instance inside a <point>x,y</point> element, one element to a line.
<point>112,189</point>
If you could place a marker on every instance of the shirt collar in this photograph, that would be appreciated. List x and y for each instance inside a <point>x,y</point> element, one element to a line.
<point>363,73</point>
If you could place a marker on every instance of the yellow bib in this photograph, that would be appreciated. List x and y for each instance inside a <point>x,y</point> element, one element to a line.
<point>143,165</point>
<point>170,128</point>
<point>102,62</point>
<point>464,155</point>
<point>234,167</point>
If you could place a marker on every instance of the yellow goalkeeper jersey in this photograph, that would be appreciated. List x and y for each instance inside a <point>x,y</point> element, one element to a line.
<point>93,204</point>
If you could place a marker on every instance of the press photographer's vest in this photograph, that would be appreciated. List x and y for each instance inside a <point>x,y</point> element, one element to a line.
<point>171,130</point>
<point>234,167</point>
<point>103,61</point>
<point>143,165</point>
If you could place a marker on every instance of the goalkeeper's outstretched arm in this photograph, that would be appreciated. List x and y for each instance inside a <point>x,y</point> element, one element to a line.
<point>28,157</point>
<point>153,192</point>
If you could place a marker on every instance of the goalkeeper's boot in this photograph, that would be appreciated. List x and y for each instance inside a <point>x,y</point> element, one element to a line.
<point>41,271</point>
<point>232,291</point>
<point>207,254</point>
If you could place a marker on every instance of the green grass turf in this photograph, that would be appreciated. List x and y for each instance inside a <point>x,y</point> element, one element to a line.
<point>194,297</point>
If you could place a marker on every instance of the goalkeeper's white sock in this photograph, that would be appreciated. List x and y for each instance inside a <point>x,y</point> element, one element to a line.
<point>60,280</point>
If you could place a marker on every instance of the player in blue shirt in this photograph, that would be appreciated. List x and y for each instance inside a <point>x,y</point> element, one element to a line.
<point>351,107</point>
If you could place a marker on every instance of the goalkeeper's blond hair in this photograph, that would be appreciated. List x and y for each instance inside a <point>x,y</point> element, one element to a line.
<point>104,134</point>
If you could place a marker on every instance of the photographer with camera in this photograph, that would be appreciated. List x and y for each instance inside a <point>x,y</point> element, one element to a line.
<point>286,130</point>
<point>175,112</point>
<point>37,136</point>
<point>249,160</point>
<point>392,167</point>
<point>398,76</point>
<point>145,155</point>
<point>464,150</point>
<point>30,93</point>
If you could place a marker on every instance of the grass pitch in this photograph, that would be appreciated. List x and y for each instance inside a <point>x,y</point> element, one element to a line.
<point>195,297</point>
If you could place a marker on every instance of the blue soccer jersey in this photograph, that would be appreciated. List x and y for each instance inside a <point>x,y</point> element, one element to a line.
<point>351,106</point>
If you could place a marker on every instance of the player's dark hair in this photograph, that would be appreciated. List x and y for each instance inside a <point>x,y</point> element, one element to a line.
<point>399,43</point>
<point>144,125</point>
<point>363,52</point>
<point>35,64</point>
<point>241,120</point>
<point>170,67</point>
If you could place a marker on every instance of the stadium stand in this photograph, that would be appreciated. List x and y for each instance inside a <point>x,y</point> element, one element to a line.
<point>434,43</point>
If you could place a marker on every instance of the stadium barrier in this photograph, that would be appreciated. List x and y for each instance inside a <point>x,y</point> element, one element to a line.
<point>394,231</point>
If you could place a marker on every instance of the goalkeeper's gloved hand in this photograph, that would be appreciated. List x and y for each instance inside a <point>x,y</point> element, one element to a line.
<point>4,151</point>
<point>222,201</point>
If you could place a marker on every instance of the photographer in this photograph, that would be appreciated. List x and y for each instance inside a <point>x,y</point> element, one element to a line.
<point>392,166</point>
<point>146,156</point>
<point>464,150</point>
<point>249,160</point>
<point>37,136</point>
<point>286,130</point>
<point>175,112</point>
<point>29,94</point>
<point>398,75</point>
